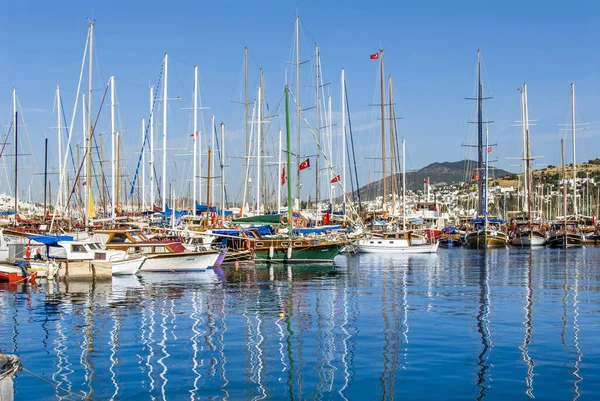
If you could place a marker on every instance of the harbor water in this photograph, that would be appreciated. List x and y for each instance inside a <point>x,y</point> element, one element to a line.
<point>494,325</point>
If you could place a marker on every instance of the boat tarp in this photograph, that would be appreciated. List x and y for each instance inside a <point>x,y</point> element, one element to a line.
<point>493,221</point>
<point>50,240</point>
<point>212,209</point>
<point>259,220</point>
<point>316,230</point>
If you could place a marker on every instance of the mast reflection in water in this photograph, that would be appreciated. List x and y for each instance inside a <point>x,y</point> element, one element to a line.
<point>406,327</point>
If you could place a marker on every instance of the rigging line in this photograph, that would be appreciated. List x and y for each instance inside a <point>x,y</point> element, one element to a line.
<point>327,161</point>
<point>137,169</point>
<point>35,171</point>
<point>353,151</point>
<point>6,138</point>
<point>66,126</point>
<point>85,153</point>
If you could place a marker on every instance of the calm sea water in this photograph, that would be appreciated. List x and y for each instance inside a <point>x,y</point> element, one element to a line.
<point>496,325</point>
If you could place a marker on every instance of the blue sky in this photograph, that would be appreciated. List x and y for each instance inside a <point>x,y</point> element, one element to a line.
<point>430,50</point>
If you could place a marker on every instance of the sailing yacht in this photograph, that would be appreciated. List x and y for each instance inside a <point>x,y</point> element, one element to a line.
<point>527,232</point>
<point>486,232</point>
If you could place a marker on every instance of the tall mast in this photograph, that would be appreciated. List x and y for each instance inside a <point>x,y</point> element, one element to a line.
<point>15,125</point>
<point>298,112</point>
<point>390,100</point>
<point>222,172</point>
<point>403,184</point>
<point>59,137</point>
<point>246,114</point>
<point>573,140</point>
<point>85,139</point>
<point>258,143</point>
<point>211,187</point>
<point>261,160</point>
<point>344,144</point>
<point>383,163</point>
<point>564,179</point>
<point>151,161</point>
<point>164,158</point>
<point>523,135</point>
<point>479,137</point>
<point>45,174</point>
<point>113,168</point>
<point>330,146</point>
<point>289,161</point>
<point>279,172</point>
<point>143,167</point>
<point>318,128</point>
<point>88,187</point>
<point>195,139</point>
<point>527,151</point>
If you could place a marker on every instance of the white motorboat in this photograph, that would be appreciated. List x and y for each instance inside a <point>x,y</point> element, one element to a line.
<point>393,243</point>
<point>180,262</point>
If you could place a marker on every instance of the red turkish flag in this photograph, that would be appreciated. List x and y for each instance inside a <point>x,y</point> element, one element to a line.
<point>336,179</point>
<point>374,56</point>
<point>304,165</point>
<point>490,149</point>
<point>283,176</point>
<point>426,181</point>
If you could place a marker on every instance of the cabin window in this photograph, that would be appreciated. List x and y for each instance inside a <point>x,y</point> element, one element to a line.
<point>371,242</point>
<point>146,249</point>
<point>379,242</point>
<point>118,238</point>
<point>391,242</point>
<point>285,244</point>
<point>77,248</point>
<point>160,249</point>
<point>133,249</point>
<point>259,244</point>
<point>99,256</point>
<point>297,243</point>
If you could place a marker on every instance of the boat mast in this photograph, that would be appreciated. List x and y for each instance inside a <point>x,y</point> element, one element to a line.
<point>113,168</point>
<point>564,179</point>
<point>246,118</point>
<point>527,151</point>
<point>344,144</point>
<point>298,112</point>
<point>403,184</point>
<point>573,140</point>
<point>318,129</point>
<point>222,172</point>
<point>480,193</point>
<point>390,100</point>
<point>59,137</point>
<point>485,193</point>
<point>280,172</point>
<point>289,161</point>
<point>143,166</point>
<point>258,143</point>
<point>194,141</point>
<point>382,130</point>
<point>211,187</point>
<point>523,135</point>
<point>151,161</point>
<point>15,125</point>
<point>45,175</point>
<point>164,158</point>
<point>330,134</point>
<point>88,187</point>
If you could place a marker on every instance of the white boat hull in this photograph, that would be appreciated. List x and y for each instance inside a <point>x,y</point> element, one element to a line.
<point>180,262</point>
<point>127,266</point>
<point>398,247</point>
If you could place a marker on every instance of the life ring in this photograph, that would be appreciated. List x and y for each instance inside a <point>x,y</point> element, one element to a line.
<point>284,219</point>
<point>220,222</point>
<point>301,223</point>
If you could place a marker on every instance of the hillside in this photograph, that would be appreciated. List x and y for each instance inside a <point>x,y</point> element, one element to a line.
<point>438,174</point>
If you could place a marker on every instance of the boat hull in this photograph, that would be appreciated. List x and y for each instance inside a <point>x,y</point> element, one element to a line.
<point>486,239</point>
<point>397,247</point>
<point>315,254</point>
<point>12,274</point>
<point>566,240</point>
<point>127,266</point>
<point>180,262</point>
<point>534,238</point>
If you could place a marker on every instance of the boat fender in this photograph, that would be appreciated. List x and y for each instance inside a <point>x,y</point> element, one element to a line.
<point>284,219</point>
<point>271,251</point>
<point>289,252</point>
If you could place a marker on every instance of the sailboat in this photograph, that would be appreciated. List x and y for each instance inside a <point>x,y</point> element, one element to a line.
<point>291,249</point>
<point>563,234</point>
<point>486,232</point>
<point>527,232</point>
